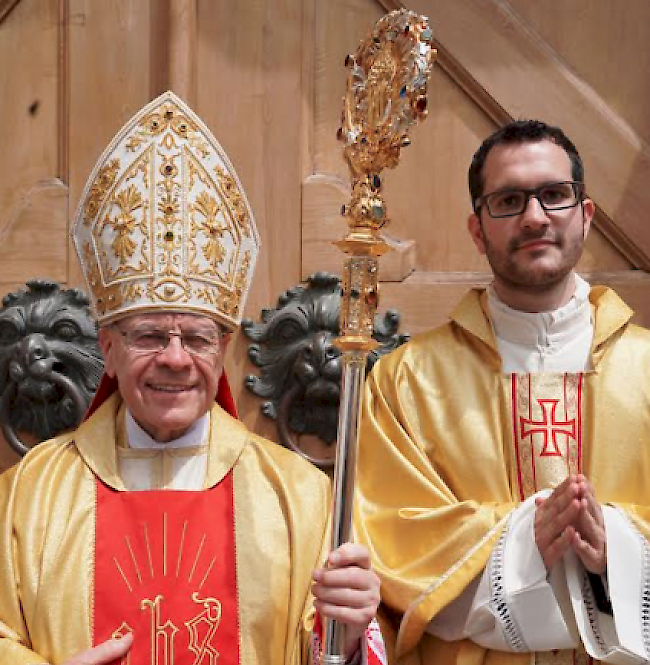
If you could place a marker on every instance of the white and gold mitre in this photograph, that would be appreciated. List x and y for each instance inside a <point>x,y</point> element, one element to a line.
<point>163,222</point>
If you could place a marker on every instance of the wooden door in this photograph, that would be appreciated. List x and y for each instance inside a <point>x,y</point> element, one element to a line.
<point>267,76</point>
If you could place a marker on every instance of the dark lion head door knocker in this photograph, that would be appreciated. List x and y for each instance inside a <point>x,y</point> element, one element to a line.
<point>301,367</point>
<point>50,362</point>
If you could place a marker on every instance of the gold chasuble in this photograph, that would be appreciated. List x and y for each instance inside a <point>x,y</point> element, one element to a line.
<point>215,576</point>
<point>450,446</point>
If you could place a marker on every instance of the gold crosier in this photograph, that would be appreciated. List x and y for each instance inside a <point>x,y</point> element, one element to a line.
<point>386,95</point>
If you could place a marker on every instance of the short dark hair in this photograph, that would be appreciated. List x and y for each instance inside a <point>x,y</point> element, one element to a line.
<point>521,131</point>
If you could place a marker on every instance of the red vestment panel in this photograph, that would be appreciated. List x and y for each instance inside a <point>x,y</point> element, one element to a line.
<point>165,570</point>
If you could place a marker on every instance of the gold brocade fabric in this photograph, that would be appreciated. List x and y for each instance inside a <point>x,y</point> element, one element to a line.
<point>462,445</point>
<point>47,536</point>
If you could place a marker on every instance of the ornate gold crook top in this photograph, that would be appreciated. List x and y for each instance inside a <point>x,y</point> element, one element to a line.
<point>386,95</point>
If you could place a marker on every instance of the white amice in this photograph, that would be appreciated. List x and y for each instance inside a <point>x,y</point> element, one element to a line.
<point>146,464</point>
<point>558,341</point>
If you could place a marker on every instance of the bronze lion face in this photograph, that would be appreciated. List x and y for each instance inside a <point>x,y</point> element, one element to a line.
<point>301,368</point>
<point>50,362</point>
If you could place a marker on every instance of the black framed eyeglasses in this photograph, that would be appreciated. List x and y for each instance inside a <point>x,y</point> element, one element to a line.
<point>155,341</point>
<point>551,196</point>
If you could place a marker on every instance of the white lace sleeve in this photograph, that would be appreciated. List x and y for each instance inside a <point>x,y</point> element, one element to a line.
<point>623,637</point>
<point>513,606</point>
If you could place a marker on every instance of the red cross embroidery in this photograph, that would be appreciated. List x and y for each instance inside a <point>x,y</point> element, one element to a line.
<point>548,427</point>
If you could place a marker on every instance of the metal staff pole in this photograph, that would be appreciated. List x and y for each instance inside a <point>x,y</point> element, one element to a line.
<point>386,95</point>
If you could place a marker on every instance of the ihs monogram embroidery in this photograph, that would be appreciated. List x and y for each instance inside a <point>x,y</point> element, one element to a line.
<point>165,576</point>
<point>201,629</point>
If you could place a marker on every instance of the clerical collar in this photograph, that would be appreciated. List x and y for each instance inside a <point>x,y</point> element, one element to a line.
<point>541,328</point>
<point>196,435</point>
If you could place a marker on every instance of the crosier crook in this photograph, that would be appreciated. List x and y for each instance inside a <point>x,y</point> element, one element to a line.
<point>386,95</point>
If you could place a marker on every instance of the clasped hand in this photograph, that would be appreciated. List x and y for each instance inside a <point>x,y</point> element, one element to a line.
<point>571,518</point>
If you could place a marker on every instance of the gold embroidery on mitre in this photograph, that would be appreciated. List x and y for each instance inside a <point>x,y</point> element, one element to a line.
<point>164,222</point>
<point>104,180</point>
<point>231,193</point>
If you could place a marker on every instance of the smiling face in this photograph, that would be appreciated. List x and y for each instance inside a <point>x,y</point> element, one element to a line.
<point>532,255</point>
<point>167,391</point>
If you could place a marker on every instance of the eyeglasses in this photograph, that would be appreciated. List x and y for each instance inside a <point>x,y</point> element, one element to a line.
<point>155,341</point>
<point>552,196</point>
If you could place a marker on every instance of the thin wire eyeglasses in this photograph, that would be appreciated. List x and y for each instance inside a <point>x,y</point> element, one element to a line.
<point>156,341</point>
<point>551,196</point>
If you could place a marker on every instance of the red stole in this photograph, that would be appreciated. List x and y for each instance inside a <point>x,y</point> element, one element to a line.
<point>165,569</point>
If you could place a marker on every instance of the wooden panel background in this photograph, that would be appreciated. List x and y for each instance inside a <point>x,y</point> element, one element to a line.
<point>267,76</point>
